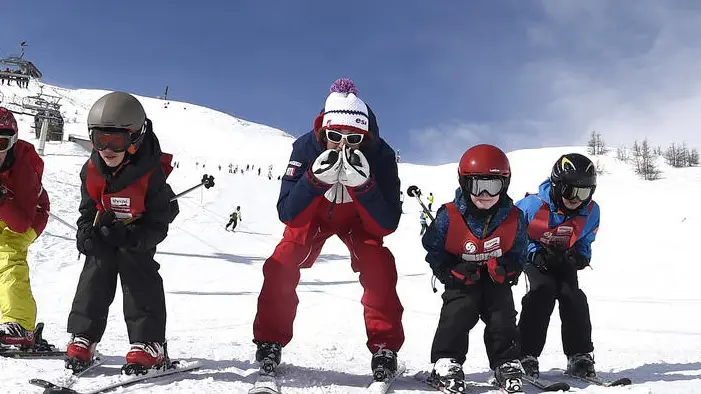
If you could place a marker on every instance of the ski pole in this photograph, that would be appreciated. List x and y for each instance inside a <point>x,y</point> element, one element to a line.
<point>414,191</point>
<point>207,181</point>
<point>65,223</point>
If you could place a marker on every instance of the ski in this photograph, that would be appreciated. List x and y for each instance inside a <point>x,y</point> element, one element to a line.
<point>381,387</point>
<point>546,385</point>
<point>17,353</point>
<point>124,381</point>
<point>265,384</point>
<point>70,378</point>
<point>602,381</point>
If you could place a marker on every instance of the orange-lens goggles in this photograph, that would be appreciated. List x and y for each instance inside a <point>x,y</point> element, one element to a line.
<point>117,140</point>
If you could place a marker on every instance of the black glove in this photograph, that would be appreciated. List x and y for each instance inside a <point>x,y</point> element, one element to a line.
<point>463,273</point>
<point>547,258</point>
<point>503,271</point>
<point>575,259</point>
<point>90,243</point>
<point>112,231</point>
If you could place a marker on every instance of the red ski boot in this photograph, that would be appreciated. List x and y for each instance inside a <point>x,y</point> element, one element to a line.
<point>13,334</point>
<point>80,353</point>
<point>144,356</point>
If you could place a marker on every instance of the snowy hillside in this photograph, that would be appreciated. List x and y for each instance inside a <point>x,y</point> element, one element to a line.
<point>642,290</point>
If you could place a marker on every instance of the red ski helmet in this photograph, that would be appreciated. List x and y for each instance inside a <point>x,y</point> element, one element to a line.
<point>484,161</point>
<point>8,129</point>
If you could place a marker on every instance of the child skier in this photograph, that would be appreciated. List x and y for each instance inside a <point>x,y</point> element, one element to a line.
<point>124,179</point>
<point>234,219</point>
<point>475,248</point>
<point>563,221</point>
<point>24,211</point>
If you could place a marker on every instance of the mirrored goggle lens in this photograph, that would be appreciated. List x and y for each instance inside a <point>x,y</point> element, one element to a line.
<point>491,186</point>
<point>336,137</point>
<point>117,141</point>
<point>580,193</point>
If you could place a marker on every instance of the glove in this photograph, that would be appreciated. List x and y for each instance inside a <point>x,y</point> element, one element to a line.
<point>327,166</point>
<point>575,259</point>
<point>462,274</point>
<point>112,231</point>
<point>503,273</point>
<point>90,243</point>
<point>355,169</point>
<point>546,258</point>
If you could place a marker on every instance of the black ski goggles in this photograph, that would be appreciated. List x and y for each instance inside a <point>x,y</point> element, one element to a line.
<point>493,186</point>
<point>117,140</point>
<point>570,192</point>
<point>336,137</point>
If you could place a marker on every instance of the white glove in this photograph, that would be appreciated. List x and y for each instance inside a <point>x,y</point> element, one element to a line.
<point>355,169</point>
<point>326,167</point>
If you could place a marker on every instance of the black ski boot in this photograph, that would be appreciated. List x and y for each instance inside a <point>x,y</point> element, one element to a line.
<point>448,376</point>
<point>384,365</point>
<point>268,356</point>
<point>508,376</point>
<point>530,366</point>
<point>580,364</point>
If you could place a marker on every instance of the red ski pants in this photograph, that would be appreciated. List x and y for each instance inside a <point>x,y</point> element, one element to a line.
<point>277,302</point>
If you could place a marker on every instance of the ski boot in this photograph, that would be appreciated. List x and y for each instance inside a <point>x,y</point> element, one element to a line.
<point>580,364</point>
<point>13,334</point>
<point>80,354</point>
<point>268,356</point>
<point>383,364</point>
<point>448,376</point>
<point>508,376</point>
<point>144,356</point>
<point>530,366</point>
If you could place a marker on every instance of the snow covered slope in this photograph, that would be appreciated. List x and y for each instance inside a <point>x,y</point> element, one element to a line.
<point>642,290</point>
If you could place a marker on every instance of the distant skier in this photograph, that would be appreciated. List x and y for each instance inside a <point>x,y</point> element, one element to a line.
<point>258,171</point>
<point>124,177</point>
<point>24,211</point>
<point>476,247</point>
<point>401,200</point>
<point>563,221</point>
<point>234,219</point>
<point>430,201</point>
<point>341,180</point>
<point>423,217</point>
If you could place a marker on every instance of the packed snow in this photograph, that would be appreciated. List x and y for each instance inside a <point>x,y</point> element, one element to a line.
<point>642,289</point>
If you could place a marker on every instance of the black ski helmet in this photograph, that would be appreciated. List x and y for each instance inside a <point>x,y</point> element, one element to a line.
<point>238,208</point>
<point>572,170</point>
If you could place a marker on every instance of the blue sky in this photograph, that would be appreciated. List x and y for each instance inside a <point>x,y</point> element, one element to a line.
<point>440,75</point>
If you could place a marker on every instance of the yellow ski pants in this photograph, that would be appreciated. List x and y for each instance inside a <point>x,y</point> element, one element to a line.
<point>16,301</point>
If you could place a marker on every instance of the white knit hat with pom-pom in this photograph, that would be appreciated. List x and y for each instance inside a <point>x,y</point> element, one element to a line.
<point>344,109</point>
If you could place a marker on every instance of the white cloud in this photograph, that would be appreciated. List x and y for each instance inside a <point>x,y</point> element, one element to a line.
<point>630,70</point>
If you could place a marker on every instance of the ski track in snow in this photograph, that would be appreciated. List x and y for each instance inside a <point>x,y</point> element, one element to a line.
<point>642,291</point>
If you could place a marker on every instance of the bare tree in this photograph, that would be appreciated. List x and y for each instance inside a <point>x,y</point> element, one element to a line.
<point>591,144</point>
<point>622,154</point>
<point>600,169</point>
<point>671,155</point>
<point>645,162</point>
<point>596,145</point>
<point>694,157</point>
